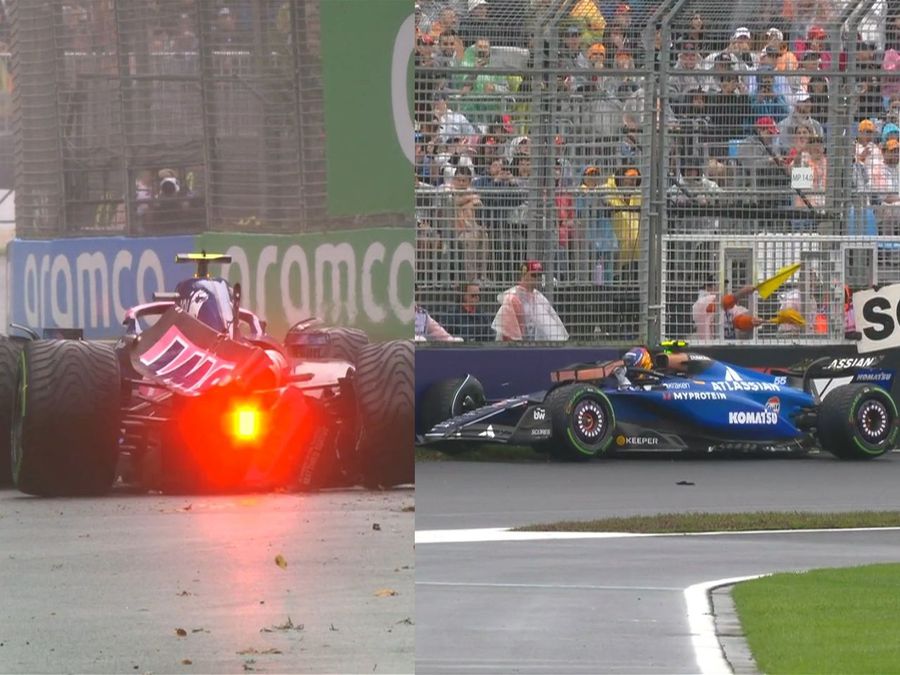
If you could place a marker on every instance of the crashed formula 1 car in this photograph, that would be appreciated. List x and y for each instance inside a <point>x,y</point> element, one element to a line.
<point>676,400</point>
<point>196,396</point>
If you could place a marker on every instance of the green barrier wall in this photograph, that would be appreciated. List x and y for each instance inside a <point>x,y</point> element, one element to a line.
<point>368,71</point>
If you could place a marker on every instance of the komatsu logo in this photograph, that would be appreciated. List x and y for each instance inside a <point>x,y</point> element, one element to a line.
<point>741,385</point>
<point>859,362</point>
<point>758,417</point>
<point>698,396</point>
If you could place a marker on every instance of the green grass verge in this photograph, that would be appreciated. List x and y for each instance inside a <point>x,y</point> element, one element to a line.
<point>488,452</point>
<point>823,621</point>
<point>716,522</point>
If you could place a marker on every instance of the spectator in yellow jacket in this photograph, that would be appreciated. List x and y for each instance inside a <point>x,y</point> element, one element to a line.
<point>624,199</point>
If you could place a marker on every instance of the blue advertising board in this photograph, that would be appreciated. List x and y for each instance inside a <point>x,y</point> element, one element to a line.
<point>88,283</point>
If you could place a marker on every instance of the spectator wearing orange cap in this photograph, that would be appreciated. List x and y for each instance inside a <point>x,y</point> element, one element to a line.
<point>885,189</point>
<point>591,58</point>
<point>884,179</point>
<point>867,153</point>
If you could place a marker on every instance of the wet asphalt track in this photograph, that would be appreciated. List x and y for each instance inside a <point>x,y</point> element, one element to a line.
<point>614,605</point>
<point>101,585</point>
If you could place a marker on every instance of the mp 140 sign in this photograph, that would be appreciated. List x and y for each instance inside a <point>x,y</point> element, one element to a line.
<point>877,316</point>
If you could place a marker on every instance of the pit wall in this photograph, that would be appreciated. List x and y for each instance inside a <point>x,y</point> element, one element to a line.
<point>360,278</point>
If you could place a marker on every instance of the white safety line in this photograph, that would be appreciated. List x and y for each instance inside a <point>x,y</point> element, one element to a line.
<point>487,534</point>
<point>564,587</point>
<point>707,649</point>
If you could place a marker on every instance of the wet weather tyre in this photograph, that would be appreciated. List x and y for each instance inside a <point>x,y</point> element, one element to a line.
<point>384,382</point>
<point>9,361</point>
<point>582,419</point>
<point>345,344</point>
<point>446,399</point>
<point>858,421</point>
<point>66,418</point>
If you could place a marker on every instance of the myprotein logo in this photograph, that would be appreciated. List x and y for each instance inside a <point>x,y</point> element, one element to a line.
<point>698,396</point>
<point>755,417</point>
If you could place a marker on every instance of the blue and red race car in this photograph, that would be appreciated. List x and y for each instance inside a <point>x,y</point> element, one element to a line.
<point>196,395</point>
<point>676,400</point>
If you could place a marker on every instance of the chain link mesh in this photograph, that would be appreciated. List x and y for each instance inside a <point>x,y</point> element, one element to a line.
<point>673,151</point>
<point>169,116</point>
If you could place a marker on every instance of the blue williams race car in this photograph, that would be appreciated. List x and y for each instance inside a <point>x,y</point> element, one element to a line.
<point>675,400</point>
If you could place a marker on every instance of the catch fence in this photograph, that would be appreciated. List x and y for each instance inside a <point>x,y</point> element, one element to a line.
<point>653,154</point>
<point>173,116</point>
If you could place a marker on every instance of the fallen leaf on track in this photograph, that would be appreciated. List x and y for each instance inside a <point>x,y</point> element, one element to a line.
<point>186,662</point>
<point>180,632</point>
<point>280,561</point>
<point>376,526</point>
<point>385,593</point>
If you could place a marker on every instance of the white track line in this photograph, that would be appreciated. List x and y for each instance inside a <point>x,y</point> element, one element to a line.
<point>563,587</point>
<point>707,649</point>
<point>488,534</point>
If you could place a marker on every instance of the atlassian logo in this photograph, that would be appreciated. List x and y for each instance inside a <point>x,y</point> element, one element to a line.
<point>773,405</point>
<point>745,386</point>
<point>698,396</point>
<point>861,362</point>
<point>752,418</point>
<point>731,375</point>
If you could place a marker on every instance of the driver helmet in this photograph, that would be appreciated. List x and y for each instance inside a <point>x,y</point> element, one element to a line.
<point>639,357</point>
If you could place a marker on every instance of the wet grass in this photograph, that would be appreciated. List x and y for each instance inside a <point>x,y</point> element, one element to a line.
<point>724,522</point>
<point>823,621</point>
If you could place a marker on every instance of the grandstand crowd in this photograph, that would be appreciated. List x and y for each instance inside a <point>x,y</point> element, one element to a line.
<point>748,96</point>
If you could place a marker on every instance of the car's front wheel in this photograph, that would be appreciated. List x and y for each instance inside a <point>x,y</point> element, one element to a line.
<point>582,420</point>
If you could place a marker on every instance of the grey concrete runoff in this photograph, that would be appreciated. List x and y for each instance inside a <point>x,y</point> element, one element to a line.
<point>616,605</point>
<point>187,584</point>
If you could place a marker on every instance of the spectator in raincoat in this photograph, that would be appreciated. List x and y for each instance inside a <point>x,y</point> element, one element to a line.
<point>624,198</point>
<point>525,314</point>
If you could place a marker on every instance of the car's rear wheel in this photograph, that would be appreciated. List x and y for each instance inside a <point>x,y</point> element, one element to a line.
<point>384,387</point>
<point>345,344</point>
<point>66,418</point>
<point>9,362</point>
<point>582,420</point>
<point>858,421</point>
